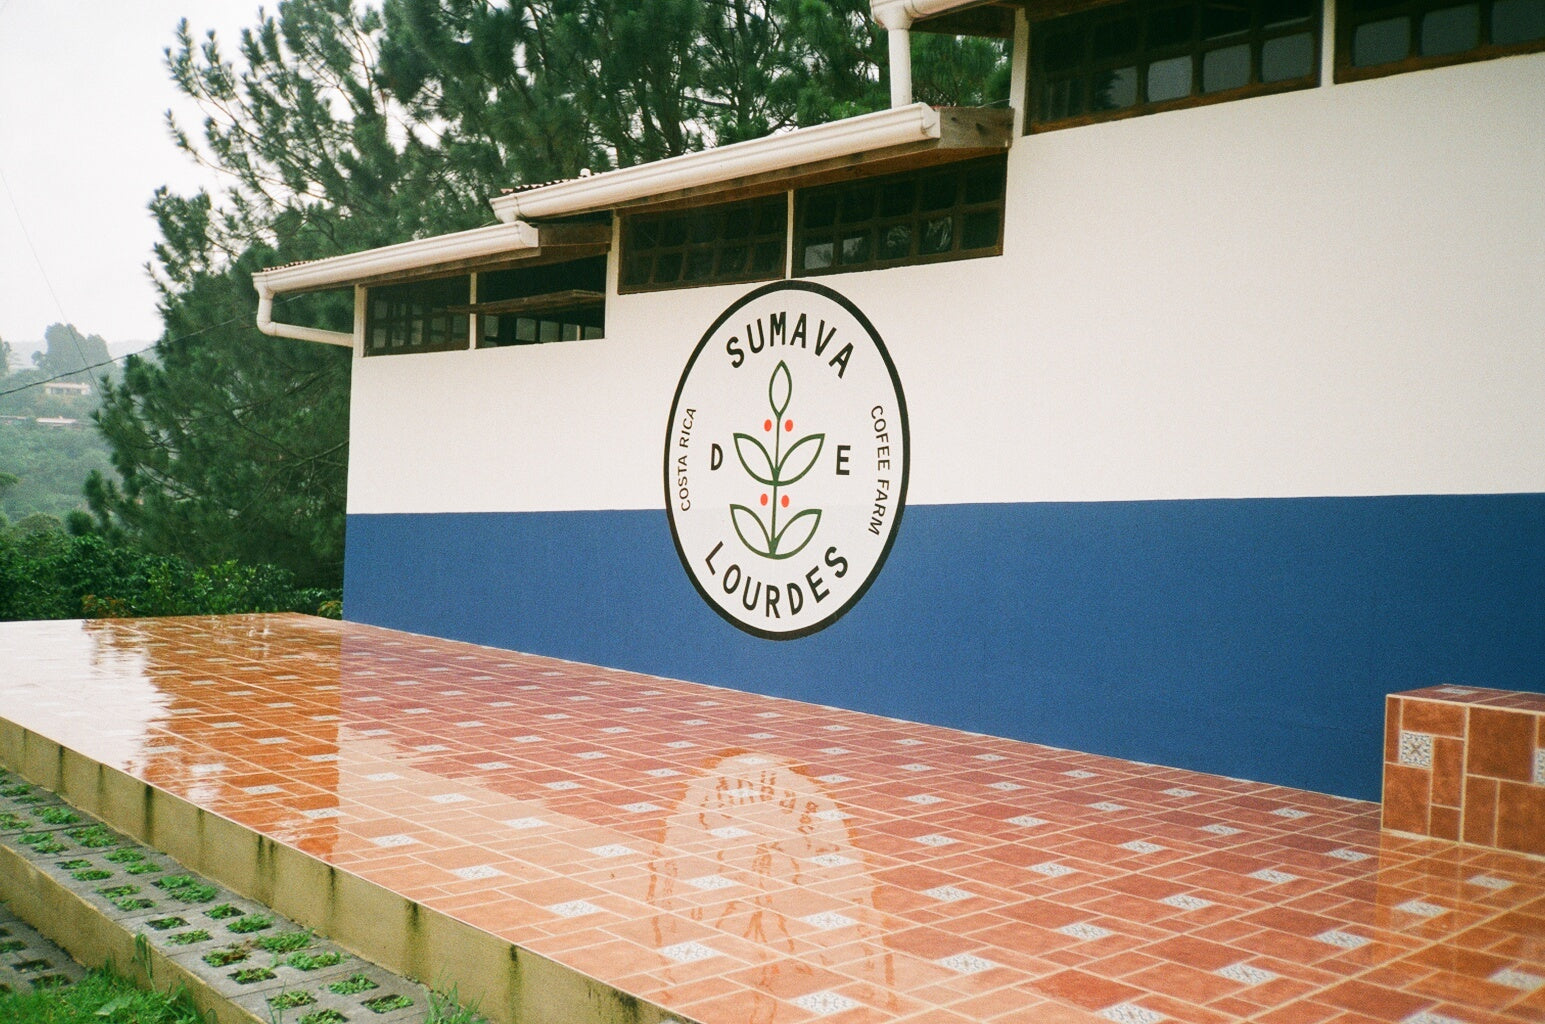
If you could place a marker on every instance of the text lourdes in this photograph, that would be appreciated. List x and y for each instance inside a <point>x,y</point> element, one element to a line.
<point>764,334</point>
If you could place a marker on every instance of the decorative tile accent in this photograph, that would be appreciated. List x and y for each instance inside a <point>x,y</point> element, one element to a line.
<point>1051,869</point>
<point>1352,856</point>
<point>476,872</point>
<point>1084,931</point>
<point>681,744</point>
<point>662,773</point>
<point>1245,974</point>
<point>383,777</point>
<point>1272,875</point>
<point>824,1003</point>
<point>762,735</point>
<point>923,798</point>
<point>528,739</point>
<point>522,824</point>
<point>1345,940</point>
<point>1512,977</point>
<point>1539,767</point>
<point>835,728</point>
<point>1106,805</point>
<point>990,757</point>
<point>322,812</point>
<point>641,808</point>
<point>1026,821</point>
<point>688,952</point>
<point>611,850</point>
<point>490,766</point>
<point>1290,812</point>
<point>1456,691</point>
<point>396,839</point>
<point>829,815</point>
<point>1430,1017</point>
<point>832,860</point>
<point>1007,787</point>
<point>832,780</point>
<point>1183,901</point>
<point>708,883</point>
<point>1489,882</point>
<point>592,755</point>
<point>1421,909</point>
<point>1221,830</point>
<point>948,894</point>
<point>935,839</point>
<point>265,790</point>
<point>966,963</point>
<point>616,730</point>
<point>1415,749</point>
<point>431,748</point>
<point>917,767</point>
<point>450,798</point>
<point>1079,773</point>
<point>1140,846</point>
<point>729,832</point>
<point>828,920</point>
<point>1131,1013</point>
<point>835,751</point>
<point>910,742</point>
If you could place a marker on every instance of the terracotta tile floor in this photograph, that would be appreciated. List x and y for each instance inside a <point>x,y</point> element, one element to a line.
<point>742,858</point>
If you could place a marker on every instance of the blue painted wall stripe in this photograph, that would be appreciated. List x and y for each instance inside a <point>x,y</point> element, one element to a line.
<point>1253,638</point>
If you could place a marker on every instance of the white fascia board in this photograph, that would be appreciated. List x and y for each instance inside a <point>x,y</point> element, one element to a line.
<point>902,13</point>
<point>852,135</point>
<point>337,271</point>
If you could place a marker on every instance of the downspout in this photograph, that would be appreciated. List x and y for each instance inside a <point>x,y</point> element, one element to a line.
<point>898,32</point>
<point>266,324</point>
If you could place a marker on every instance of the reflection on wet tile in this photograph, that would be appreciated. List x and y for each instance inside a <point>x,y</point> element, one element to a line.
<point>912,873</point>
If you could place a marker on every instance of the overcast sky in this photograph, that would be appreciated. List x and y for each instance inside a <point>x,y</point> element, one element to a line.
<point>82,148</point>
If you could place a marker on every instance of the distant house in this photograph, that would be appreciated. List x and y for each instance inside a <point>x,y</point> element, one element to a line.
<point>67,389</point>
<point>1179,412</point>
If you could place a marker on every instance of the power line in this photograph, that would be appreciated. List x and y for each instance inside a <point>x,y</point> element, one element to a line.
<point>47,283</point>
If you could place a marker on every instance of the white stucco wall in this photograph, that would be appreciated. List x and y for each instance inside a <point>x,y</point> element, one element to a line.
<point>1337,291</point>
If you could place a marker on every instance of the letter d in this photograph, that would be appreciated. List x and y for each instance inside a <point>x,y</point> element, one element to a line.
<point>715,457</point>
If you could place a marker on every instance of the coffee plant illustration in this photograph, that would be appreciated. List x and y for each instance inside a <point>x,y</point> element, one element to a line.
<point>777,470</point>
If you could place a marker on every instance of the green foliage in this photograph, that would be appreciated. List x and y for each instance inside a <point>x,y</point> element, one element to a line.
<point>101,998</point>
<point>47,574</point>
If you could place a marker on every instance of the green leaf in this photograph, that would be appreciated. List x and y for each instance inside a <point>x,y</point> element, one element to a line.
<point>780,388</point>
<point>757,539</point>
<point>800,459</point>
<point>755,458</point>
<point>798,532</point>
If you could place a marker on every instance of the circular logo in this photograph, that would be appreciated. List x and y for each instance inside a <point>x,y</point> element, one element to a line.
<point>786,460</point>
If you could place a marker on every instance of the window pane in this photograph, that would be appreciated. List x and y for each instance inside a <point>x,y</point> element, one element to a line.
<point>768,258</point>
<point>1380,42</point>
<point>667,268</point>
<point>1228,68</point>
<point>1113,40</point>
<point>857,204</point>
<point>737,222</point>
<point>938,234</point>
<point>1224,19</point>
<point>896,198</point>
<point>980,230</point>
<point>1169,79</point>
<point>936,192</point>
<point>699,265</point>
<point>732,261</point>
<point>855,248</point>
<point>1062,99</point>
<point>772,216</point>
<point>548,330</point>
<point>896,242</point>
<point>1287,57</point>
<point>818,255</point>
<point>1517,21</point>
<point>1171,26</point>
<point>1062,50</point>
<point>1275,13</point>
<point>820,211</point>
<point>1451,30</point>
<point>673,231</point>
<point>1117,89</point>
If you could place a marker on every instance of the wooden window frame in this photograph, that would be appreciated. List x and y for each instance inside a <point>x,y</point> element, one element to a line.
<point>1142,56</point>
<point>416,307</point>
<point>1347,23</point>
<point>655,239</point>
<point>916,218</point>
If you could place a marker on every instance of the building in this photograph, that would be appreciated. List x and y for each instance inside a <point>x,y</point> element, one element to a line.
<point>1180,412</point>
<point>67,389</point>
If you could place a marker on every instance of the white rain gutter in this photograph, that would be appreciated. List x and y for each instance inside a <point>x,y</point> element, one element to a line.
<point>336,271</point>
<point>898,126</point>
<point>896,17</point>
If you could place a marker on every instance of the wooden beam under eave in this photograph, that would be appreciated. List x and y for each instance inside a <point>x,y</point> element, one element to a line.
<point>487,264</point>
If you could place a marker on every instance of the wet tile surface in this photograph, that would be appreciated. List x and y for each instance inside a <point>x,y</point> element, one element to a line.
<point>737,857</point>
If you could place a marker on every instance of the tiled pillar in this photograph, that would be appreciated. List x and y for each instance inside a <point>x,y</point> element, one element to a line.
<point>1467,764</point>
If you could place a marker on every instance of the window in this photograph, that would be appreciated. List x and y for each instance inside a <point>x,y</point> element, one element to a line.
<point>533,305</point>
<point>942,213</point>
<point>1383,37</point>
<point>424,316</point>
<point>1153,55</point>
<point>742,241</point>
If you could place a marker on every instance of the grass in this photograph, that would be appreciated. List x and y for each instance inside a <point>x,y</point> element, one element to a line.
<point>314,961</point>
<point>100,998</point>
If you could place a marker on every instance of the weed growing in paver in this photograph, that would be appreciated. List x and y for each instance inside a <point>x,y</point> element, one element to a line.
<point>91,875</point>
<point>285,942</point>
<point>124,856</point>
<point>251,975</point>
<point>314,961</point>
<point>251,923</point>
<point>143,868</point>
<point>225,957</point>
<point>21,789</point>
<point>187,888</point>
<point>223,911</point>
<point>161,924</point>
<point>42,842</point>
<point>114,891</point>
<point>446,1008</point>
<point>11,945</point>
<point>386,1004</point>
<point>58,816</point>
<point>9,820</point>
<point>71,865</point>
<point>290,1000</point>
<point>328,1016</point>
<point>128,904</point>
<point>352,985</point>
<point>189,938</point>
<point>93,837</point>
